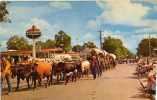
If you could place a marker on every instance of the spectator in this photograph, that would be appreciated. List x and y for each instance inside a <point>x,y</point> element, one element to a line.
<point>6,73</point>
<point>94,66</point>
<point>151,83</point>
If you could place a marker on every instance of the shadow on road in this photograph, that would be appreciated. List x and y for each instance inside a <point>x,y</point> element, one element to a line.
<point>107,78</point>
<point>24,88</point>
<point>131,77</point>
<point>141,95</point>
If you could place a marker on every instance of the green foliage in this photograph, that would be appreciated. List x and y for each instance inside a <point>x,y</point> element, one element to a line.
<point>3,11</point>
<point>143,47</point>
<point>18,43</point>
<point>77,48</point>
<point>89,44</point>
<point>40,45</point>
<point>63,40</point>
<point>115,46</point>
<point>48,44</point>
<point>111,44</point>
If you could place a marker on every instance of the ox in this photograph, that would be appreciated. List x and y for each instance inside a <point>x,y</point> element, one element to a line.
<point>66,69</point>
<point>42,70</point>
<point>85,67</point>
<point>22,71</point>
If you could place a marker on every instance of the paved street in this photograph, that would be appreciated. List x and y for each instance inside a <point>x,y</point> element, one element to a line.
<point>117,84</point>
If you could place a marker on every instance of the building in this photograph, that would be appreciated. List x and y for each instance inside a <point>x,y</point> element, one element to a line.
<point>21,55</point>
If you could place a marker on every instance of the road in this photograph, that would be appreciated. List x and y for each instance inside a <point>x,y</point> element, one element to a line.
<point>116,84</point>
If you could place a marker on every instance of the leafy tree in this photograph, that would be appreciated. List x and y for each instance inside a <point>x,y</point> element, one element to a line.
<point>63,40</point>
<point>40,45</point>
<point>111,44</point>
<point>143,47</point>
<point>50,43</point>
<point>131,55</point>
<point>17,43</point>
<point>77,48</point>
<point>3,11</point>
<point>115,46</point>
<point>89,44</point>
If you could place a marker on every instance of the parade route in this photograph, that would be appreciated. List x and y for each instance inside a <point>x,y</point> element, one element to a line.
<point>78,49</point>
<point>116,84</point>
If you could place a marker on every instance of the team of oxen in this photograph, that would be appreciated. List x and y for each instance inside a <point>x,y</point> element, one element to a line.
<point>63,71</point>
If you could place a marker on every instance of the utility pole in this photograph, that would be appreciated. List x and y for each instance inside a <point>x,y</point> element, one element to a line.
<point>149,45</point>
<point>100,32</point>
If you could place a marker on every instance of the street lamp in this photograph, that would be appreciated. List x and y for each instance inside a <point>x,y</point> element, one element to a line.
<point>33,33</point>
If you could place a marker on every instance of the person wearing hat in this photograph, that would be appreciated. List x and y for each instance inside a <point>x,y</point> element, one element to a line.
<point>6,73</point>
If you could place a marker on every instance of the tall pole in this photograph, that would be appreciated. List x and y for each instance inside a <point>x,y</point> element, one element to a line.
<point>100,32</point>
<point>34,51</point>
<point>149,45</point>
<point>33,33</point>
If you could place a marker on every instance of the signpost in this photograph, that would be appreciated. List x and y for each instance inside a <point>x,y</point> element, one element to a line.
<point>33,33</point>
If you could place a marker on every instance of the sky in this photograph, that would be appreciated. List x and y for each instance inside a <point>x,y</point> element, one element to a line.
<point>129,20</point>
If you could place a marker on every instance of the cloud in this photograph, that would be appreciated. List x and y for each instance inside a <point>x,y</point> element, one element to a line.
<point>2,43</point>
<point>42,24</point>
<point>60,5</point>
<point>85,37</point>
<point>122,11</point>
<point>48,30</point>
<point>3,30</point>
<point>149,1</point>
<point>35,9</point>
<point>152,24</point>
<point>147,25</point>
<point>125,12</point>
<point>143,30</point>
<point>113,34</point>
<point>92,24</point>
<point>88,36</point>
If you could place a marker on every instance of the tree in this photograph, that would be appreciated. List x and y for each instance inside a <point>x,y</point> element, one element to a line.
<point>3,11</point>
<point>40,45</point>
<point>115,46</point>
<point>111,44</point>
<point>89,44</point>
<point>143,47</point>
<point>18,43</point>
<point>77,48</point>
<point>63,40</point>
<point>50,43</point>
